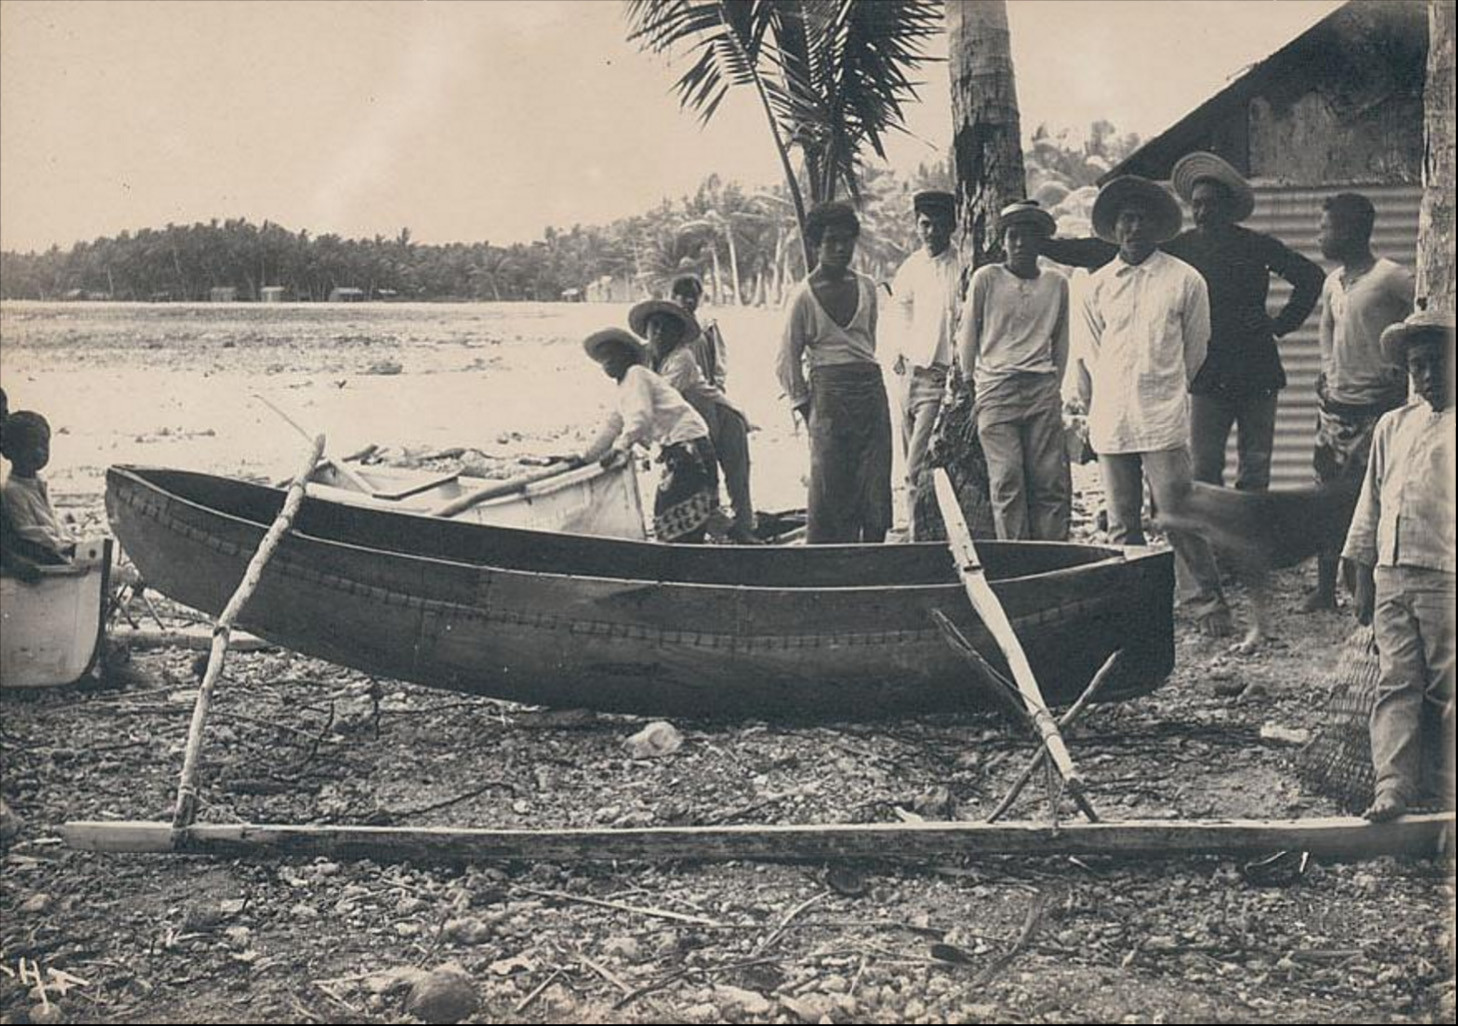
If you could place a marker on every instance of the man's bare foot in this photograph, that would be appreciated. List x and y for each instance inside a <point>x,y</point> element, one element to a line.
<point>1250,643</point>
<point>1386,806</point>
<point>1319,602</point>
<point>1217,624</point>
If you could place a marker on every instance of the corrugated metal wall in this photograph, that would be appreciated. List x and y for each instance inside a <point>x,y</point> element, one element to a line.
<point>1293,215</point>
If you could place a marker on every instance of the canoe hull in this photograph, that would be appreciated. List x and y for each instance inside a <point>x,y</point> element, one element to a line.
<point>494,622</point>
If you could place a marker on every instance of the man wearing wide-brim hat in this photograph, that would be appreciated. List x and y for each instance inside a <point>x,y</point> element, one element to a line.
<point>1401,543</point>
<point>1141,330</point>
<point>671,329</point>
<point>924,299</point>
<point>1242,378</point>
<point>652,411</point>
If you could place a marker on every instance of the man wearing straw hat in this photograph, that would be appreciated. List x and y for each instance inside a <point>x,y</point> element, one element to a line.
<point>671,329</point>
<point>1013,343</point>
<point>924,297</point>
<point>650,410</point>
<point>1401,543</point>
<point>1142,329</point>
<point>1242,377</point>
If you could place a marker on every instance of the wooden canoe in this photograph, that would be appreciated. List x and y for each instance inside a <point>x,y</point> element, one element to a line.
<point>51,629</point>
<point>826,631</point>
<point>586,500</point>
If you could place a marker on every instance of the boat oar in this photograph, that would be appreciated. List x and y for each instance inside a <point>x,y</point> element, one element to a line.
<point>989,609</point>
<point>186,810</point>
<point>345,470</point>
<point>499,489</point>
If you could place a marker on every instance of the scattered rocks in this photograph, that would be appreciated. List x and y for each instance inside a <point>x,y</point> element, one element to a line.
<point>444,995</point>
<point>750,1002</point>
<point>658,739</point>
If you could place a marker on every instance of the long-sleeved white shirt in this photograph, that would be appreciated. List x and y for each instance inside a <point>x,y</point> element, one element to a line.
<point>1142,331</point>
<point>649,410</point>
<point>1014,326</point>
<point>925,296</point>
<point>1405,514</point>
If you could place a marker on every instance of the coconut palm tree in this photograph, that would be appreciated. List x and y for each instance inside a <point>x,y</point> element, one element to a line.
<point>830,75</point>
<point>1435,221</point>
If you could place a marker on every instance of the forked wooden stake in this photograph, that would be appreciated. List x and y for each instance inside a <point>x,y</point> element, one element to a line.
<point>989,609</point>
<point>1065,721</point>
<point>186,810</point>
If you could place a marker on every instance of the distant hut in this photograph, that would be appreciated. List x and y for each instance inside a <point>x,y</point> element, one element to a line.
<point>272,294</point>
<point>346,294</point>
<point>1338,108</point>
<point>223,294</point>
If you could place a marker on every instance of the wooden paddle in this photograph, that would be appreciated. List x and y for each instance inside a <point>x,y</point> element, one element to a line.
<point>989,609</point>
<point>498,489</point>
<point>348,472</point>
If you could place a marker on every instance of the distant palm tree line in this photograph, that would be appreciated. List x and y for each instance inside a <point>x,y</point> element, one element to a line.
<point>744,243</point>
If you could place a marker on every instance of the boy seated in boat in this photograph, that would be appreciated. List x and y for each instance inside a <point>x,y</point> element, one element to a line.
<point>31,534</point>
<point>650,410</point>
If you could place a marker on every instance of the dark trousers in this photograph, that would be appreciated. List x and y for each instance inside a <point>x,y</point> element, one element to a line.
<point>1211,418</point>
<point>850,455</point>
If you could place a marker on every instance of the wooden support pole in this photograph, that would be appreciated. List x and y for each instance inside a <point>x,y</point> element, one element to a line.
<point>987,606</point>
<point>186,810</point>
<point>1067,720</point>
<point>1343,836</point>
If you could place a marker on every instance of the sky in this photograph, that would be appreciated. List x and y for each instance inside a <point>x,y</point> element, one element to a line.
<point>470,121</point>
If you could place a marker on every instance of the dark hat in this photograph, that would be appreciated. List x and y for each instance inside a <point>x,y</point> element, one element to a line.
<point>639,315</point>
<point>1420,326</point>
<point>1028,212</point>
<point>934,201</point>
<point>1199,166</point>
<point>599,343</point>
<point>1128,189</point>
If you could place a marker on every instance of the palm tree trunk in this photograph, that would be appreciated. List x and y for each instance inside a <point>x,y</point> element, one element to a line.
<point>733,262</point>
<point>1435,221</point>
<point>987,137</point>
<point>988,161</point>
<point>718,274</point>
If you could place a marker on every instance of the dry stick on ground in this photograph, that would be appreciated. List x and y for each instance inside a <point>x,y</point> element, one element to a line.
<point>658,913</point>
<point>778,931</point>
<point>1069,719</point>
<point>525,1002</point>
<point>679,974</point>
<point>989,608</point>
<point>453,800</point>
<point>186,810</point>
<point>1030,926</point>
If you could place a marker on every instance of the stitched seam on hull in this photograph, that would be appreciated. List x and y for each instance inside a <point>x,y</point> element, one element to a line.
<point>606,629</point>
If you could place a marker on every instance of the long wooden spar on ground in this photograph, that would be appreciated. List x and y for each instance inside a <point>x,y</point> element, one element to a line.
<point>985,603</point>
<point>1346,836</point>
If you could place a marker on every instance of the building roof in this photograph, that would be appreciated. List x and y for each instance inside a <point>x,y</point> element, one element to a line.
<point>1386,30</point>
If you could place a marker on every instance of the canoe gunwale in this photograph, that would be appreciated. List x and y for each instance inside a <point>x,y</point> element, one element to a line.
<point>1126,555</point>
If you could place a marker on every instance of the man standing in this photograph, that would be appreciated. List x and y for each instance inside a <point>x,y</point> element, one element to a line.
<point>1013,342</point>
<point>830,324</point>
<point>708,345</point>
<point>1358,382</point>
<point>1401,542</point>
<point>1143,326</point>
<point>1242,375</point>
<point>924,296</point>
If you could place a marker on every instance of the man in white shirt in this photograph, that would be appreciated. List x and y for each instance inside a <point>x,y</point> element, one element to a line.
<point>924,296</point>
<point>1143,326</point>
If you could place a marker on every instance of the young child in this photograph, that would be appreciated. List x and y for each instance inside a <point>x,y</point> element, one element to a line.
<point>32,533</point>
<point>670,330</point>
<point>650,410</point>
<point>1402,544</point>
<point>1014,344</point>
